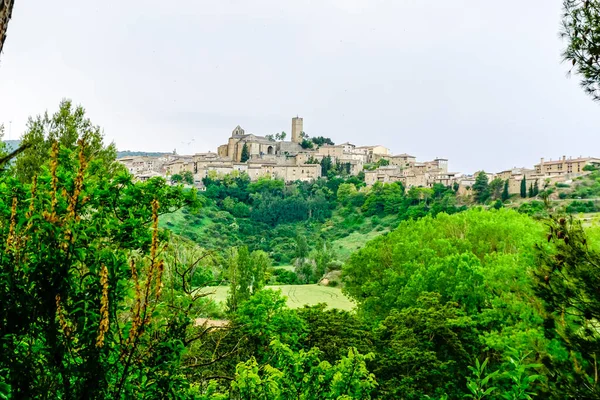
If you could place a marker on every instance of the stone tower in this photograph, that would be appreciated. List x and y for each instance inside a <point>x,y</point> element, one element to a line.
<point>297,127</point>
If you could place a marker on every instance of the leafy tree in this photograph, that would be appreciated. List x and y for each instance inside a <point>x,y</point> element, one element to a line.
<point>505,194</point>
<point>481,188</point>
<point>569,285</point>
<point>306,144</point>
<point>320,141</point>
<point>581,30</point>
<point>303,376</point>
<point>345,192</point>
<point>176,178</point>
<point>246,274</point>
<point>188,177</point>
<point>68,125</point>
<point>524,187</point>
<point>382,162</point>
<point>79,319</point>
<point>245,153</point>
<point>418,343</point>
<point>326,165</point>
<point>495,188</point>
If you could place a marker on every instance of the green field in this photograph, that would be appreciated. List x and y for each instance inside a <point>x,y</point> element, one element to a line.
<point>299,295</point>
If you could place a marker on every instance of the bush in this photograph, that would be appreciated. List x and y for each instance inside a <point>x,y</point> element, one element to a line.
<point>581,207</point>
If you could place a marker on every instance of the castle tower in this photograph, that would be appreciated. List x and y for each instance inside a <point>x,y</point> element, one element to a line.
<point>297,127</point>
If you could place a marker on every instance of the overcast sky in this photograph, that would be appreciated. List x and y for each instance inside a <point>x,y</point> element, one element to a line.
<point>478,82</point>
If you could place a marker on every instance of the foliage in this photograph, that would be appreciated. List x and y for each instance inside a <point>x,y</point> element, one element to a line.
<point>245,153</point>
<point>523,187</point>
<point>581,30</point>
<point>246,274</point>
<point>302,375</point>
<point>481,188</point>
<point>306,144</point>
<point>479,383</point>
<point>320,141</point>
<point>423,350</point>
<point>505,195</point>
<point>326,165</point>
<point>569,279</point>
<point>81,276</point>
<point>66,126</point>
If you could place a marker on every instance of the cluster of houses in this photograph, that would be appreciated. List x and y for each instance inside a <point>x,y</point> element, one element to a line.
<point>300,160</point>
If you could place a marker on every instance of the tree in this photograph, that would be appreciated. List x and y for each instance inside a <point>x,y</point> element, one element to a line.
<point>245,153</point>
<point>176,178</point>
<point>505,194</point>
<point>188,177</point>
<point>320,141</point>
<point>306,144</point>
<point>326,165</point>
<point>531,192</point>
<point>536,188</point>
<point>68,125</point>
<point>303,376</point>
<point>495,188</point>
<point>86,304</point>
<point>524,187</point>
<point>581,30</point>
<point>5,14</point>
<point>481,188</point>
<point>569,284</point>
<point>246,274</point>
<point>282,135</point>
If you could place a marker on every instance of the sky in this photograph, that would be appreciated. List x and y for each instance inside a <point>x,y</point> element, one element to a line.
<point>478,82</point>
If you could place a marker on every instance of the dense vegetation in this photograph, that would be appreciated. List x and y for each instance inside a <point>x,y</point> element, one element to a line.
<point>100,302</point>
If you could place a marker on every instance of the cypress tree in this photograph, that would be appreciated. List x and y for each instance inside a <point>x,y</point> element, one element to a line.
<point>531,190</point>
<point>536,188</point>
<point>523,187</point>
<point>505,194</point>
<point>245,153</point>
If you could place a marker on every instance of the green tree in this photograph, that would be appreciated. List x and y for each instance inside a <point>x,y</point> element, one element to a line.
<point>188,177</point>
<point>79,320</point>
<point>245,153</point>
<point>306,144</point>
<point>581,30</point>
<point>481,188</point>
<point>531,192</point>
<point>303,376</point>
<point>246,274</point>
<point>326,165</point>
<point>536,189</point>
<point>524,187</point>
<point>495,188</point>
<point>569,285</point>
<point>176,178</point>
<point>345,192</point>
<point>505,193</point>
<point>66,126</point>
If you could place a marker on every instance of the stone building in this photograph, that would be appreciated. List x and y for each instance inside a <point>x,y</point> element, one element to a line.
<point>565,166</point>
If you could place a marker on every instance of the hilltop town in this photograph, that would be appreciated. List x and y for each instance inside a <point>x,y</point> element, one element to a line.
<point>305,159</point>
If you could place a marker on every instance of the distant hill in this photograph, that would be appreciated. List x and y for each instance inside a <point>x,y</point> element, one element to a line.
<point>12,144</point>
<point>128,153</point>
